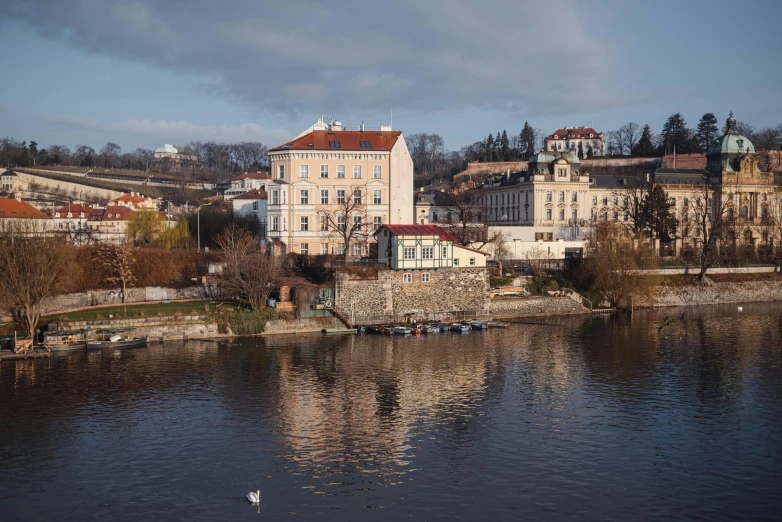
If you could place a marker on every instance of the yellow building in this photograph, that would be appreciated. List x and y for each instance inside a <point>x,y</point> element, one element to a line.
<point>316,173</point>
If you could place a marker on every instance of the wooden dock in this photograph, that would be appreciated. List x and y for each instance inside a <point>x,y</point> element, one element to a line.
<point>8,355</point>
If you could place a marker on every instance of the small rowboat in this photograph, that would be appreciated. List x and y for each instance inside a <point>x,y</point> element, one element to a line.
<point>112,339</point>
<point>478,325</point>
<point>495,324</point>
<point>462,328</point>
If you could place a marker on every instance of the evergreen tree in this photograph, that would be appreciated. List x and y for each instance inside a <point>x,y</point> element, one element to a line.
<point>694,146</point>
<point>580,151</point>
<point>528,140</point>
<point>498,148</point>
<point>489,149</point>
<point>505,147</point>
<point>675,134</point>
<point>707,130</point>
<point>657,214</point>
<point>645,147</point>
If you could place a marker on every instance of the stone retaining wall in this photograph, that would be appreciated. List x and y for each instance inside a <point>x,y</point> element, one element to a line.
<point>156,328</point>
<point>450,294</point>
<point>308,324</point>
<point>68,302</point>
<point>516,307</point>
<point>716,293</point>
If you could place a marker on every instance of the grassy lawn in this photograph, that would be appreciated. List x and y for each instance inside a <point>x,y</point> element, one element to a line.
<point>145,310</point>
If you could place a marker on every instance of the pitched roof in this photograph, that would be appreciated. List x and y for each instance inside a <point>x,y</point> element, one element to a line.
<point>348,140</point>
<point>575,132</point>
<point>116,213</point>
<point>253,194</point>
<point>420,230</point>
<point>13,208</point>
<point>131,197</point>
<point>252,175</point>
<point>73,208</point>
<point>10,173</point>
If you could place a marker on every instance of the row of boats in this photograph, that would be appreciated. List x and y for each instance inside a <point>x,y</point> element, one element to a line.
<point>83,339</point>
<point>434,328</point>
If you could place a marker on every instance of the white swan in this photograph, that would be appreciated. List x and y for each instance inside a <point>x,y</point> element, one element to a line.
<point>254,497</point>
<point>741,308</point>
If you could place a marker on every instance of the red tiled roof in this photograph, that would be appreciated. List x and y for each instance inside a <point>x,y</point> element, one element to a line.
<point>131,198</point>
<point>252,175</point>
<point>74,208</point>
<point>420,230</point>
<point>575,133</point>
<point>348,140</point>
<point>253,194</point>
<point>117,213</point>
<point>12,208</point>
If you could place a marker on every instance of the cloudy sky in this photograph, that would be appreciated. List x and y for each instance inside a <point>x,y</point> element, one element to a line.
<point>144,72</point>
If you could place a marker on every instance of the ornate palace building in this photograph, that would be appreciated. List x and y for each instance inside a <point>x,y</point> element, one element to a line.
<point>569,138</point>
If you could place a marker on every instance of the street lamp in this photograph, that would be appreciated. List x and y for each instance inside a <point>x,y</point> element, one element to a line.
<point>198,214</point>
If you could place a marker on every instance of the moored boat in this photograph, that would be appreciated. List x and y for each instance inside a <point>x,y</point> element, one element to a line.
<point>478,325</point>
<point>496,324</point>
<point>66,341</point>
<point>458,327</point>
<point>113,339</point>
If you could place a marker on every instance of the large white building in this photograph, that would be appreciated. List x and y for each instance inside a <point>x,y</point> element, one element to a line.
<point>570,138</point>
<point>314,175</point>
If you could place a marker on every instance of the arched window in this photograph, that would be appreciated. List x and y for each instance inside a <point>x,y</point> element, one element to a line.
<point>764,214</point>
<point>744,211</point>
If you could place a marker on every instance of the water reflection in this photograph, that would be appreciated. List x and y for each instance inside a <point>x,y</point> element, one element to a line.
<point>553,418</point>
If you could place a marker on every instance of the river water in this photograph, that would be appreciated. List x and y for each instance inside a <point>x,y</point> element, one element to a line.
<point>554,418</point>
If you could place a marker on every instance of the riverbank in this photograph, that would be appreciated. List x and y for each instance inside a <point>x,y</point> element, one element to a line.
<point>715,292</point>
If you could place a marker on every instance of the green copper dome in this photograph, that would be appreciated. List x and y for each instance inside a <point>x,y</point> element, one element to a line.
<point>731,142</point>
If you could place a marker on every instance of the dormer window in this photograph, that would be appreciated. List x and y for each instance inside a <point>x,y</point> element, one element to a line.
<point>335,144</point>
<point>365,144</point>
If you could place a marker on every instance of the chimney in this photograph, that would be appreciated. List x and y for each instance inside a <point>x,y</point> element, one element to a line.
<point>362,126</point>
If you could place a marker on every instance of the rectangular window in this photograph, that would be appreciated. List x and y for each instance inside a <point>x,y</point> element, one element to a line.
<point>409,253</point>
<point>275,223</point>
<point>284,197</point>
<point>255,205</point>
<point>673,201</point>
<point>324,249</point>
<point>341,223</point>
<point>472,261</point>
<point>304,171</point>
<point>335,144</point>
<point>425,277</point>
<point>305,223</point>
<point>562,173</point>
<point>408,278</point>
<point>341,249</point>
<point>275,197</point>
<point>324,196</point>
<point>281,171</point>
<point>434,217</point>
<point>574,216</point>
<point>341,171</point>
<point>340,197</point>
<point>455,261</point>
<point>357,222</point>
<point>548,214</point>
<point>377,199</point>
<point>594,200</point>
<point>365,144</point>
<point>305,249</point>
<point>324,171</point>
<point>427,252</point>
<point>305,197</point>
<point>574,196</point>
<point>377,171</point>
<point>562,214</point>
<point>355,250</point>
<point>324,223</point>
<point>548,195</point>
<point>358,196</point>
<point>377,222</point>
<point>562,196</point>
<point>357,171</point>
<point>284,223</point>
<point>445,252</point>
<point>616,200</point>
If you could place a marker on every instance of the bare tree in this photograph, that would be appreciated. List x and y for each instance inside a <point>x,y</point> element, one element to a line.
<point>462,213</point>
<point>708,215</point>
<point>32,269</point>
<point>345,219</point>
<point>249,271</point>
<point>629,134</point>
<point>631,189</point>
<point>117,261</point>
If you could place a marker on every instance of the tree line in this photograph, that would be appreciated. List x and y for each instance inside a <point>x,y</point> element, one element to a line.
<point>217,160</point>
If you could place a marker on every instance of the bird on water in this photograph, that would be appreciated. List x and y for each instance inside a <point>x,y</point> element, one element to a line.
<point>254,497</point>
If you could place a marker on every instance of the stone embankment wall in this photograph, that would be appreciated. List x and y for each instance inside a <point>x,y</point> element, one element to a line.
<point>68,302</point>
<point>716,293</point>
<point>525,306</point>
<point>88,192</point>
<point>498,167</point>
<point>304,325</point>
<point>451,294</point>
<point>157,328</point>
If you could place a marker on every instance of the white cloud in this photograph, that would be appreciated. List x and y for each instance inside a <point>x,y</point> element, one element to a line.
<point>178,131</point>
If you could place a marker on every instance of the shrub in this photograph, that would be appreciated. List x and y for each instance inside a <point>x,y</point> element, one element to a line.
<point>496,282</point>
<point>248,323</point>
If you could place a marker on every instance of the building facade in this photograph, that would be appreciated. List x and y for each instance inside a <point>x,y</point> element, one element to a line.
<point>253,205</point>
<point>570,138</point>
<point>424,247</point>
<point>328,171</point>
<point>170,159</point>
<point>245,182</point>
